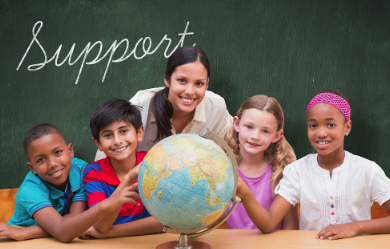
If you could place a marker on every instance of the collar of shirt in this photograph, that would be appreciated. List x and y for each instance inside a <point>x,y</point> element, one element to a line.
<point>267,171</point>
<point>322,171</point>
<point>108,173</point>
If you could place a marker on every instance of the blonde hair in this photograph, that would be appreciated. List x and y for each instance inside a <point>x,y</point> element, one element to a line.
<point>281,152</point>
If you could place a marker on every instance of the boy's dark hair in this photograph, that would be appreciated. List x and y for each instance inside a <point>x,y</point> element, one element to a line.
<point>39,131</point>
<point>111,111</point>
<point>334,91</point>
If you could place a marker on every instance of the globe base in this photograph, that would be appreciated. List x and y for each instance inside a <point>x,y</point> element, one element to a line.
<point>190,245</point>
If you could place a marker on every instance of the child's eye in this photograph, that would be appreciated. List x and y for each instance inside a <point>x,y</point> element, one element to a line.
<point>181,80</point>
<point>123,131</point>
<point>331,125</point>
<point>107,135</point>
<point>40,160</point>
<point>266,132</point>
<point>199,83</point>
<point>249,127</point>
<point>58,152</point>
<point>312,126</point>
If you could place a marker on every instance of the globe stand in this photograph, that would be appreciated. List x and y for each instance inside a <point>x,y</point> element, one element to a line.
<point>184,244</point>
<point>183,240</point>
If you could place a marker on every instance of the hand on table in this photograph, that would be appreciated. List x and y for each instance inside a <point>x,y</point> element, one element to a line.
<point>338,231</point>
<point>11,232</point>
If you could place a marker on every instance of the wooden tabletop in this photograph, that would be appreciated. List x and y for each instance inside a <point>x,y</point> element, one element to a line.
<point>217,239</point>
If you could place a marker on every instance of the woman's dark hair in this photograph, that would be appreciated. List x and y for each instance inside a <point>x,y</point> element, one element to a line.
<point>161,107</point>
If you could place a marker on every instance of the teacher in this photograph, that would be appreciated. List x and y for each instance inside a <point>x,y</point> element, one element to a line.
<point>184,105</point>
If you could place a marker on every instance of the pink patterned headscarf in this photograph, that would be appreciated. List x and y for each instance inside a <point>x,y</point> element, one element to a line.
<point>334,100</point>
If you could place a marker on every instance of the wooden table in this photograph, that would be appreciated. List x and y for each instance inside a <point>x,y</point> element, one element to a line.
<point>217,239</point>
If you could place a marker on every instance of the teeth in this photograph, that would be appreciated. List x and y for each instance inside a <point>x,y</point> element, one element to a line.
<point>187,100</point>
<point>57,173</point>
<point>322,143</point>
<point>121,149</point>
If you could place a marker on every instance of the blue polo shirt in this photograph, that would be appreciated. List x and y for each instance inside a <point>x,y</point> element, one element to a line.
<point>35,194</point>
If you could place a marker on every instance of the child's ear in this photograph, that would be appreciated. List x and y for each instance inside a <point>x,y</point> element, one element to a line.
<point>29,165</point>
<point>97,144</point>
<point>348,127</point>
<point>207,84</point>
<point>70,147</point>
<point>236,123</point>
<point>278,136</point>
<point>140,133</point>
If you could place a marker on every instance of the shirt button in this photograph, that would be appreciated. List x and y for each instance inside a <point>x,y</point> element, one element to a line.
<point>332,206</point>
<point>332,213</point>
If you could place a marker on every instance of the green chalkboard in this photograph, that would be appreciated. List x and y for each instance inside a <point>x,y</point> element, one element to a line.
<point>61,59</point>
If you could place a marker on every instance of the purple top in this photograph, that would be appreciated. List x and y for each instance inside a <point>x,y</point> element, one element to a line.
<point>261,188</point>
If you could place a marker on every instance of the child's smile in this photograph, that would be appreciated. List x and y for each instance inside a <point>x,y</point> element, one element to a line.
<point>121,149</point>
<point>57,173</point>
<point>322,144</point>
<point>253,144</point>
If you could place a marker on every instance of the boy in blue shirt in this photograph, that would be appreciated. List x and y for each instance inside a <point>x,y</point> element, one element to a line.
<point>51,200</point>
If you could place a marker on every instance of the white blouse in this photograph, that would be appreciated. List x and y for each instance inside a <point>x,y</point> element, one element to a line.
<point>344,198</point>
<point>210,114</point>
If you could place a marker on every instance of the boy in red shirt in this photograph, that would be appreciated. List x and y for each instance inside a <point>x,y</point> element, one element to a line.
<point>116,127</point>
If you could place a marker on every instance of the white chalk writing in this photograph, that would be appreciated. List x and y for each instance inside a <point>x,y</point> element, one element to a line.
<point>145,43</point>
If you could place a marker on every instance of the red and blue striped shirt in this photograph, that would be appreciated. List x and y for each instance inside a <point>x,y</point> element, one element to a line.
<point>100,181</point>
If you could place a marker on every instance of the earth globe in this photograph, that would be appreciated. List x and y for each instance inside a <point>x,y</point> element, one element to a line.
<point>187,182</point>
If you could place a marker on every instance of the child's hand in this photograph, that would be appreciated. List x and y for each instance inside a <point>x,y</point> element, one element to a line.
<point>339,231</point>
<point>11,232</point>
<point>126,195</point>
<point>242,188</point>
<point>92,233</point>
<point>132,176</point>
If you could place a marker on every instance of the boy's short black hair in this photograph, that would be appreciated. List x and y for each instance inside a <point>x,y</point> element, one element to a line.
<point>39,131</point>
<point>111,111</point>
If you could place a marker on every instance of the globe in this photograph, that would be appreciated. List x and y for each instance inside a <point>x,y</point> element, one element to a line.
<point>186,182</point>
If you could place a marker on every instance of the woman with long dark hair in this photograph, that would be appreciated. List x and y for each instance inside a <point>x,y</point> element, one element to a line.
<point>184,105</point>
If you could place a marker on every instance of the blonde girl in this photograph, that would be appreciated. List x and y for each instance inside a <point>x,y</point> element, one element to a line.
<point>262,152</point>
